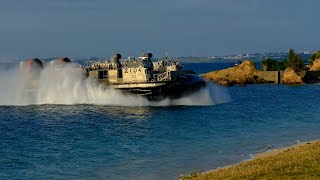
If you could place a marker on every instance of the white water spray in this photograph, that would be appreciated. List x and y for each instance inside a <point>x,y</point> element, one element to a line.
<point>68,86</point>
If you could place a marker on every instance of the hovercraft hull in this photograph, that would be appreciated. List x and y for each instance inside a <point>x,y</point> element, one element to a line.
<point>155,91</point>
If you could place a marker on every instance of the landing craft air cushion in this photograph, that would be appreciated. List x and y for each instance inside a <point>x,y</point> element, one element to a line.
<point>154,80</point>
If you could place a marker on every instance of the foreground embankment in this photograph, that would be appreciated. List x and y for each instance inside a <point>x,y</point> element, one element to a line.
<point>301,161</point>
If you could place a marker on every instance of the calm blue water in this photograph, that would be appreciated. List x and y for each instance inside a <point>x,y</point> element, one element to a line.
<point>207,67</point>
<point>113,142</point>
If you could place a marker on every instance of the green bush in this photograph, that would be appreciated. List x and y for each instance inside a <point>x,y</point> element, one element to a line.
<point>295,61</point>
<point>282,65</point>
<point>273,65</point>
<point>314,57</point>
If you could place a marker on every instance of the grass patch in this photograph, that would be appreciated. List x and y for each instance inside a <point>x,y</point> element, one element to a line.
<point>299,162</point>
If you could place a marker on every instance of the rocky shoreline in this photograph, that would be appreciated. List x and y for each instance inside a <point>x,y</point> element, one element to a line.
<point>246,73</point>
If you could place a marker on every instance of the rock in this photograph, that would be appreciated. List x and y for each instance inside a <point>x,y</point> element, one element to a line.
<point>241,74</point>
<point>316,65</point>
<point>291,77</point>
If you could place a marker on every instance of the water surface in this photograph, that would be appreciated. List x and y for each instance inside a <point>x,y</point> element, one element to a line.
<point>116,142</point>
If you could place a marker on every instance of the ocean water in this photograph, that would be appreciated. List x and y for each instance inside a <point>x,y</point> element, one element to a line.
<point>78,140</point>
<point>207,67</point>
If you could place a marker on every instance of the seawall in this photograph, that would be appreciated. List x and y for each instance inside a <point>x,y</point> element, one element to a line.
<point>277,76</point>
<point>270,76</point>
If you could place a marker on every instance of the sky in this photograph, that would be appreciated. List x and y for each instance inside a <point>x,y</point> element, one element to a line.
<point>85,28</point>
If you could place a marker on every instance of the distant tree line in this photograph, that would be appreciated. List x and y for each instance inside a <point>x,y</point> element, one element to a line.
<point>294,61</point>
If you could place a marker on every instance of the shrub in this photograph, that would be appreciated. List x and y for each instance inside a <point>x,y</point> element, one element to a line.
<point>273,65</point>
<point>313,57</point>
<point>295,61</point>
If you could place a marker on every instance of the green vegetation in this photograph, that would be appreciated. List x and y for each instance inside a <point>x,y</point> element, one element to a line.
<point>299,162</point>
<point>314,57</point>
<point>273,65</point>
<point>295,61</point>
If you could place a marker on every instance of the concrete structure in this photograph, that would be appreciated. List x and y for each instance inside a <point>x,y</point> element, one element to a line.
<point>269,76</point>
<point>277,76</point>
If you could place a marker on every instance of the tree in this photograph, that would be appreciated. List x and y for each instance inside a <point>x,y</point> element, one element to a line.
<point>269,64</point>
<point>282,65</point>
<point>291,54</point>
<point>273,65</point>
<point>295,61</point>
<point>313,57</point>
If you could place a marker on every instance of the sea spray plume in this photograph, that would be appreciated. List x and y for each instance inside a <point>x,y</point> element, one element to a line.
<point>218,94</point>
<point>212,94</point>
<point>67,85</point>
<point>17,82</point>
<point>11,87</point>
<point>64,85</point>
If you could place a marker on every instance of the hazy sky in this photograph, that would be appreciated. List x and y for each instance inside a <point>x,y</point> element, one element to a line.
<point>77,28</point>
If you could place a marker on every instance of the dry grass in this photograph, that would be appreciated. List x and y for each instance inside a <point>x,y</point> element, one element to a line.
<point>298,162</point>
